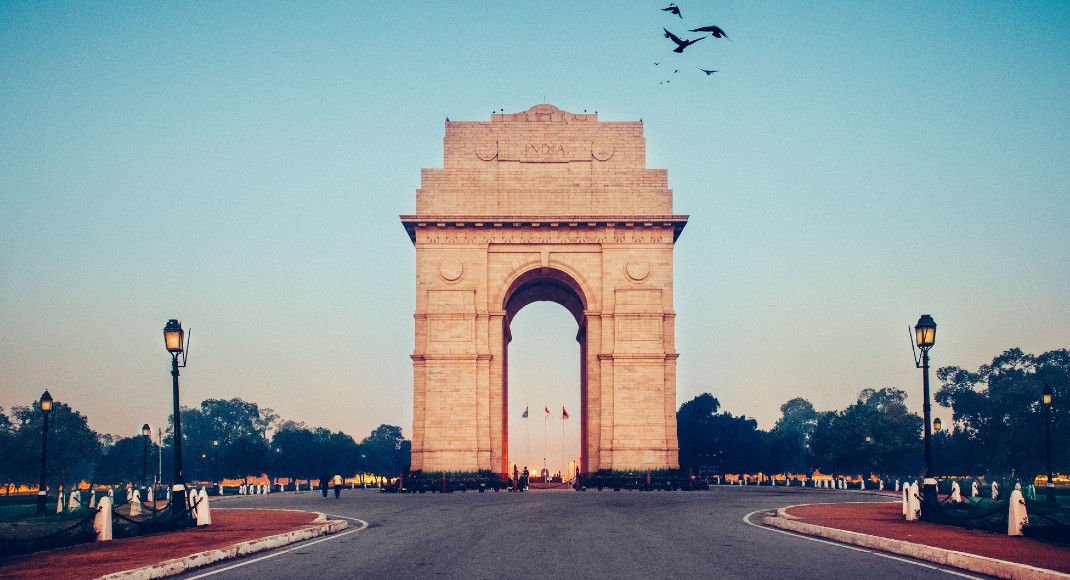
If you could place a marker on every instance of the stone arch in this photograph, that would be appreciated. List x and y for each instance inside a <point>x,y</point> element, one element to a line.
<point>560,208</point>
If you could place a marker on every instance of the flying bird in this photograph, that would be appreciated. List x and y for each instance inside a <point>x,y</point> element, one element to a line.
<point>672,9</point>
<point>714,30</point>
<point>708,72</point>
<point>681,44</point>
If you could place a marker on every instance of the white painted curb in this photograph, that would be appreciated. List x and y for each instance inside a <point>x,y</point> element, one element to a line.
<point>321,526</point>
<point>971,562</point>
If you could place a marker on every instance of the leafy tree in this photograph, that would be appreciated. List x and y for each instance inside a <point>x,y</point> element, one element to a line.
<point>838,442</point>
<point>122,461</point>
<point>785,447</point>
<point>239,426</point>
<point>386,451</point>
<point>997,409</point>
<point>301,452</point>
<point>721,441</point>
<point>73,448</point>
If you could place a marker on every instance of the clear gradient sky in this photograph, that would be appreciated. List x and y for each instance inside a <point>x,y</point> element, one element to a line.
<point>241,166</point>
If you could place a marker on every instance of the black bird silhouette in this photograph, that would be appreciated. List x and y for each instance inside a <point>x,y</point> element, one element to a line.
<point>680,43</point>
<point>714,30</point>
<point>673,9</point>
<point>657,63</point>
<point>708,72</point>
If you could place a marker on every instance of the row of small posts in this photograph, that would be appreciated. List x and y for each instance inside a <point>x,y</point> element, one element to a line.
<point>1017,516</point>
<point>197,504</point>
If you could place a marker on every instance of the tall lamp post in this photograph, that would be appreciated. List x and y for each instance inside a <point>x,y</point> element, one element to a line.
<point>1046,400</point>
<point>173,336</point>
<point>925,337</point>
<point>216,445</point>
<point>42,490</point>
<point>937,426</point>
<point>146,433</point>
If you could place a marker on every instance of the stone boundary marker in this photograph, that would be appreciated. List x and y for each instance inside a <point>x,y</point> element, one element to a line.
<point>321,526</point>
<point>961,560</point>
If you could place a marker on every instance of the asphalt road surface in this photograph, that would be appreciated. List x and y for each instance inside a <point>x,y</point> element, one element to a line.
<point>591,534</point>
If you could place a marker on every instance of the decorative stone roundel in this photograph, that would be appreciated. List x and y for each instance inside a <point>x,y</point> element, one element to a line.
<point>601,151</point>
<point>637,269</point>
<point>451,270</point>
<point>487,150</point>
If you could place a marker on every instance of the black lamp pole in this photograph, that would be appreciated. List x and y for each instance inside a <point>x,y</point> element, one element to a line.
<point>937,426</point>
<point>145,434</point>
<point>42,490</point>
<point>216,445</point>
<point>1046,400</point>
<point>173,335</point>
<point>925,336</point>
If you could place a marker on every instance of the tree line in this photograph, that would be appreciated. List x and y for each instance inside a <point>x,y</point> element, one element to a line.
<point>997,427</point>
<point>224,439</point>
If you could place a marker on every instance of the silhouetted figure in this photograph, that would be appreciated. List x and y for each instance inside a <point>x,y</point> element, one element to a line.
<point>324,483</point>
<point>708,72</point>
<point>672,9</point>
<point>714,30</point>
<point>680,43</point>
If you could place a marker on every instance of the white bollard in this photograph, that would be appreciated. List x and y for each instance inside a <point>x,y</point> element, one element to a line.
<point>862,485</point>
<point>204,514</point>
<point>92,499</point>
<point>73,502</point>
<point>897,485</point>
<point>913,502</point>
<point>1016,516</point>
<point>150,498</point>
<point>882,485</point>
<point>956,492</point>
<point>906,490</point>
<point>135,503</point>
<point>974,490</point>
<point>102,522</point>
<point>995,490</point>
<point>59,503</point>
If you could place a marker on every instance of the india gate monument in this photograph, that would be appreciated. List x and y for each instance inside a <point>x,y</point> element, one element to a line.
<point>544,205</point>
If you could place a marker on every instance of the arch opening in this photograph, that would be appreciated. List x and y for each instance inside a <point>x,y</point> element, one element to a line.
<point>562,446</point>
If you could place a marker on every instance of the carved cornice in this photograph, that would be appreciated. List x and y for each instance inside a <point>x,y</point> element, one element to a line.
<point>451,224</point>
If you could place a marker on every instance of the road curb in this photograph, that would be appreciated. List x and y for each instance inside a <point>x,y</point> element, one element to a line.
<point>962,560</point>
<point>321,526</point>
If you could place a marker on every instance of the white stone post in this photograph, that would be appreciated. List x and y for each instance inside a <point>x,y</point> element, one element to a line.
<point>102,522</point>
<point>1016,516</point>
<point>135,503</point>
<point>204,514</point>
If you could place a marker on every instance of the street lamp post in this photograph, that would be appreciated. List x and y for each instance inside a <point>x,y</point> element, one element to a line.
<point>925,337</point>
<point>869,456</point>
<point>146,433</point>
<point>173,340</point>
<point>1046,400</point>
<point>937,426</point>
<point>42,490</point>
<point>216,470</point>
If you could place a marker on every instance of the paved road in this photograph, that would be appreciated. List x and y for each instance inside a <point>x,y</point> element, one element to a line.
<point>558,534</point>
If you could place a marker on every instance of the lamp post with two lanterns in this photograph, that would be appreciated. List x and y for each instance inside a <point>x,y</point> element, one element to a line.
<point>173,340</point>
<point>925,338</point>
<point>42,491</point>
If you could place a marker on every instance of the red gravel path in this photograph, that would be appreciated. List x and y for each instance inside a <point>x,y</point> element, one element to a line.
<point>229,526</point>
<point>886,520</point>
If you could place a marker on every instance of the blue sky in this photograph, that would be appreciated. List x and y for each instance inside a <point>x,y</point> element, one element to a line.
<point>241,166</point>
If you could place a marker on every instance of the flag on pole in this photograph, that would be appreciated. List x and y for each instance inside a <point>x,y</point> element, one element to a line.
<point>547,409</point>
<point>564,413</point>
<point>525,415</point>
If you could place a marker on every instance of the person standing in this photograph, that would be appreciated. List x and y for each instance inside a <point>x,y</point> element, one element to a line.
<point>337,485</point>
<point>324,483</point>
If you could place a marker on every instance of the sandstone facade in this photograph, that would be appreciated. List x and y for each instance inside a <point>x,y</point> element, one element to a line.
<point>544,205</point>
